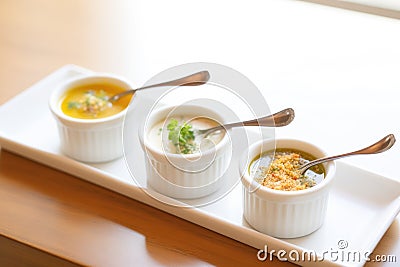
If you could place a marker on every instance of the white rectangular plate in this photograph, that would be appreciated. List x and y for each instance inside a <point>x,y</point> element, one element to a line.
<point>361,208</point>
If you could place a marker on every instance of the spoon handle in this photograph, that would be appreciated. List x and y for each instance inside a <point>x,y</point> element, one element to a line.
<point>281,118</point>
<point>381,146</point>
<point>194,79</point>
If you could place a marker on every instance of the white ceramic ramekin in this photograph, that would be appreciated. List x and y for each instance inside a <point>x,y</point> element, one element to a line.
<point>285,214</point>
<point>89,140</point>
<point>184,176</point>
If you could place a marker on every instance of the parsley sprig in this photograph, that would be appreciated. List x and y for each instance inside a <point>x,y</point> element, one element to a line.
<point>182,136</point>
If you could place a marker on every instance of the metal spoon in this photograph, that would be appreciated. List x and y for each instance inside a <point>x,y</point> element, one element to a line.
<point>194,79</point>
<point>380,146</point>
<point>278,119</point>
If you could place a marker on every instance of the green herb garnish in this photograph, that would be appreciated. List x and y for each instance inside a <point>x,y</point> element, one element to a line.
<point>182,137</point>
<point>90,103</point>
<point>73,104</point>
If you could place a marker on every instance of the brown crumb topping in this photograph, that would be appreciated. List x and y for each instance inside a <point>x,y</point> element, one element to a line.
<point>283,173</point>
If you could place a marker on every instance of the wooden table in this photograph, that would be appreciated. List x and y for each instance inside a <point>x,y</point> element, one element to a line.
<point>49,218</point>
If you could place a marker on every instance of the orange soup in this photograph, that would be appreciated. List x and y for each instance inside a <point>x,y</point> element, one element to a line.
<point>91,101</point>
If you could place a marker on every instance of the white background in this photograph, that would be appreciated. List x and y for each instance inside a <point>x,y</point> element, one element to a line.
<point>338,69</point>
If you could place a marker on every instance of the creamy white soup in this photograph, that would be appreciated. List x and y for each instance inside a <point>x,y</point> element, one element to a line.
<point>179,134</point>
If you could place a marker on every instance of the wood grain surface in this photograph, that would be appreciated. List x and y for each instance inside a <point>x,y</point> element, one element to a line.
<point>49,218</point>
